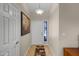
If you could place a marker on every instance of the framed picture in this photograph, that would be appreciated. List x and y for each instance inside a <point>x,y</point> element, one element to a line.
<point>25,24</point>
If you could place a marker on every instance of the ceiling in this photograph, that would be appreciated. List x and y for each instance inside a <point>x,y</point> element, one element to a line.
<point>44,6</point>
<point>48,8</point>
<point>33,6</point>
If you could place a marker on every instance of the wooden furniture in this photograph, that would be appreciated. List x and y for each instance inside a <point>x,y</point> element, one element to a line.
<point>32,49</point>
<point>40,51</point>
<point>71,51</point>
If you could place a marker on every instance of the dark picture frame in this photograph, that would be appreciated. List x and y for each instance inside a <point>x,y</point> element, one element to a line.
<point>25,24</point>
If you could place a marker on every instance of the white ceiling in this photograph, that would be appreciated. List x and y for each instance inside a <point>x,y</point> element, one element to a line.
<point>44,6</point>
<point>33,6</point>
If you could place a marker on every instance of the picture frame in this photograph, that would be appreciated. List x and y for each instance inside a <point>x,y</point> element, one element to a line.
<point>25,24</point>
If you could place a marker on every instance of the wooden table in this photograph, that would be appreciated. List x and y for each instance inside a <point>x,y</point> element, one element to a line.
<point>31,51</point>
<point>71,51</point>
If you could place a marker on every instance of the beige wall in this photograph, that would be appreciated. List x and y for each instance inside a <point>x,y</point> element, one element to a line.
<point>25,41</point>
<point>53,29</point>
<point>69,25</point>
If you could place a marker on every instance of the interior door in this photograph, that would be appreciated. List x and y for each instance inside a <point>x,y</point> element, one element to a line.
<point>9,30</point>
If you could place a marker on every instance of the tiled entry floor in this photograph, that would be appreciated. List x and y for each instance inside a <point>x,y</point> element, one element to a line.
<point>39,50</point>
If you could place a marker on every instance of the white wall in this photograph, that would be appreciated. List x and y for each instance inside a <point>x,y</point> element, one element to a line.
<point>25,41</point>
<point>63,28</point>
<point>25,44</point>
<point>37,31</point>
<point>69,26</point>
<point>53,29</point>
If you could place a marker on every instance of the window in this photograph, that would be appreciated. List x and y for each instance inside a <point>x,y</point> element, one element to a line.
<point>45,30</point>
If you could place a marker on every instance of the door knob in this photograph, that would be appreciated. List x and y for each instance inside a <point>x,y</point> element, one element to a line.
<point>17,42</point>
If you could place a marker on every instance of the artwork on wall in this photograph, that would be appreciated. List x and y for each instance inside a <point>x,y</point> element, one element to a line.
<point>25,24</point>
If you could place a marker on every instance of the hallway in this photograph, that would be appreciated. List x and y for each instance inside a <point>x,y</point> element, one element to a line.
<point>39,29</point>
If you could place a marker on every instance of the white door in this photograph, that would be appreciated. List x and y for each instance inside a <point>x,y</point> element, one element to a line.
<point>9,30</point>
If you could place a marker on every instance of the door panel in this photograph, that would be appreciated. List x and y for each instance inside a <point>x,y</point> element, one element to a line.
<point>9,29</point>
<point>12,50</point>
<point>4,52</point>
<point>1,30</point>
<point>6,30</point>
